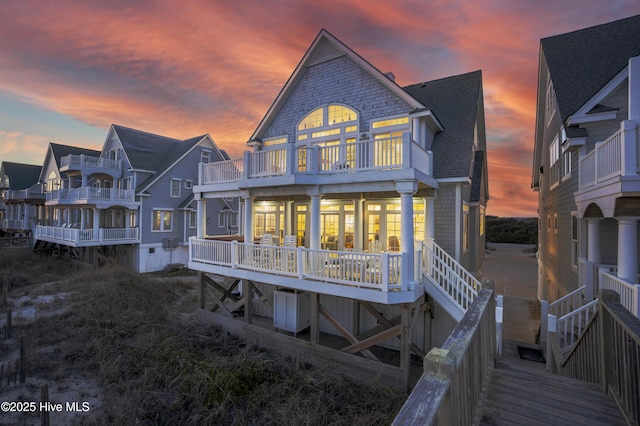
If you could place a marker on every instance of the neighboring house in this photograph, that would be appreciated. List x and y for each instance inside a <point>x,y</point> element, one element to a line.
<point>350,178</point>
<point>131,201</point>
<point>21,198</point>
<point>585,165</point>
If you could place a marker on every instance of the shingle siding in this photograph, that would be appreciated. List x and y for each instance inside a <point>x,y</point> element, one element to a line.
<point>340,81</point>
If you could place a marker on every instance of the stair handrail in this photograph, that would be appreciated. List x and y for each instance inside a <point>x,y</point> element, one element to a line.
<point>561,307</point>
<point>437,259</point>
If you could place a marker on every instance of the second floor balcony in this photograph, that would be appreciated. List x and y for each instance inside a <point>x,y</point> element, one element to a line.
<point>76,237</point>
<point>101,197</point>
<point>88,165</point>
<point>611,169</point>
<point>335,163</point>
<point>23,195</point>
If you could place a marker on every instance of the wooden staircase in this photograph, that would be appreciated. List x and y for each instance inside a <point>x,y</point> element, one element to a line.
<point>523,392</point>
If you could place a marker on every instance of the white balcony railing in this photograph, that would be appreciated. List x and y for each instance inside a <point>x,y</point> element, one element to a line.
<point>78,236</point>
<point>629,292</point>
<point>24,194</point>
<point>15,224</point>
<point>368,270</point>
<point>78,162</point>
<point>289,159</point>
<point>616,156</point>
<point>91,194</point>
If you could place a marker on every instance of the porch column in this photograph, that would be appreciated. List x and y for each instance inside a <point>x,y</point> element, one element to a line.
<point>628,249</point>
<point>358,221</point>
<point>248,219</point>
<point>406,190</point>
<point>430,206</point>
<point>201,217</point>
<point>96,219</point>
<point>82,218</point>
<point>314,226</point>
<point>634,89</point>
<point>593,239</point>
<point>288,218</point>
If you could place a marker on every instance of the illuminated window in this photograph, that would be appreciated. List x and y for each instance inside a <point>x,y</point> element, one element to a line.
<point>161,220</point>
<point>312,120</point>
<point>275,141</point>
<point>328,121</point>
<point>340,114</point>
<point>390,122</point>
<point>465,226</point>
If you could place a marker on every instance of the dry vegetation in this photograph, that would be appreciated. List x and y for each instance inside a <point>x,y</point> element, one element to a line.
<point>128,344</point>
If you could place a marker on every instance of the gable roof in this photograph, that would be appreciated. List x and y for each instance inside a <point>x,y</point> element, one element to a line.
<point>455,101</point>
<point>582,62</point>
<point>60,151</point>
<point>325,47</point>
<point>476,183</point>
<point>21,176</point>
<point>154,153</point>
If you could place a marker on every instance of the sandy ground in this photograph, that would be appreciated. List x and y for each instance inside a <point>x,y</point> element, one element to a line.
<point>514,270</point>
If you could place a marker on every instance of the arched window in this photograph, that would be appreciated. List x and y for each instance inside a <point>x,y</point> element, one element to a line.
<point>328,123</point>
<point>52,181</point>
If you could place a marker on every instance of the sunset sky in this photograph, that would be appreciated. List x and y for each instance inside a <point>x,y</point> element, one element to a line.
<point>69,69</point>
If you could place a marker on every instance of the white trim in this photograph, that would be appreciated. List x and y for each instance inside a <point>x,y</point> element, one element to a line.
<point>455,180</point>
<point>155,209</point>
<point>582,115</point>
<point>325,36</point>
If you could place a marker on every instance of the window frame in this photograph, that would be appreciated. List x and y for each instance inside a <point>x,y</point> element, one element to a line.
<point>178,186</point>
<point>162,220</point>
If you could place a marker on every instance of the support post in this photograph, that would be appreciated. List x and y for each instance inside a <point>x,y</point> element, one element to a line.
<point>202,289</point>
<point>315,318</point>
<point>248,301</point>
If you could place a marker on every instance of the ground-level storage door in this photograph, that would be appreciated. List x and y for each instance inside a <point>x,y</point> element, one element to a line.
<point>291,310</point>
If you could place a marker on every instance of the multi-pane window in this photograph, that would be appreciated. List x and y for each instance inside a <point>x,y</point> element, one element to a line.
<point>554,164</point>
<point>193,219</point>
<point>328,121</point>
<point>175,188</point>
<point>574,239</point>
<point>205,156</point>
<point>566,164</point>
<point>188,184</point>
<point>465,226</point>
<point>161,220</point>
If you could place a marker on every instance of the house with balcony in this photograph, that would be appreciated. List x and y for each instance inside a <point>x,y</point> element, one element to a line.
<point>586,160</point>
<point>21,198</point>
<point>362,210</point>
<point>131,202</point>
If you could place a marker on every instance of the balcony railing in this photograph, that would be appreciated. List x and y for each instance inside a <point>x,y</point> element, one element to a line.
<point>78,162</point>
<point>15,224</point>
<point>629,292</point>
<point>616,156</point>
<point>24,194</point>
<point>290,159</point>
<point>91,194</point>
<point>79,236</point>
<point>379,271</point>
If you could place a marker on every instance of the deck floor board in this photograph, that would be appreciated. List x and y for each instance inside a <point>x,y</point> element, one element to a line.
<point>523,392</point>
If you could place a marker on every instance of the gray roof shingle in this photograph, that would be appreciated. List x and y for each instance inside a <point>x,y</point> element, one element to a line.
<point>147,151</point>
<point>582,62</point>
<point>21,176</point>
<point>454,101</point>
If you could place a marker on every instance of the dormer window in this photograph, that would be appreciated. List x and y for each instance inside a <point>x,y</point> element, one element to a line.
<point>205,156</point>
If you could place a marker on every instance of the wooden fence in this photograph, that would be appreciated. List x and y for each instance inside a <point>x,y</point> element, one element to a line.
<point>450,389</point>
<point>607,353</point>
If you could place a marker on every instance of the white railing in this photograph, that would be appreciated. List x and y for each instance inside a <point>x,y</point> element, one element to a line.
<point>369,270</point>
<point>568,303</point>
<point>571,326</point>
<point>288,159</point>
<point>15,224</point>
<point>221,171</point>
<point>79,161</point>
<point>91,194</point>
<point>74,235</point>
<point>455,281</point>
<point>23,194</point>
<point>629,293</point>
<point>615,156</point>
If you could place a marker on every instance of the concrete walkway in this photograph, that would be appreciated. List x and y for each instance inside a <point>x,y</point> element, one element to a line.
<point>514,270</point>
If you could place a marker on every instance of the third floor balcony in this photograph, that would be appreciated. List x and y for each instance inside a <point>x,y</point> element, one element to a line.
<point>101,197</point>
<point>88,165</point>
